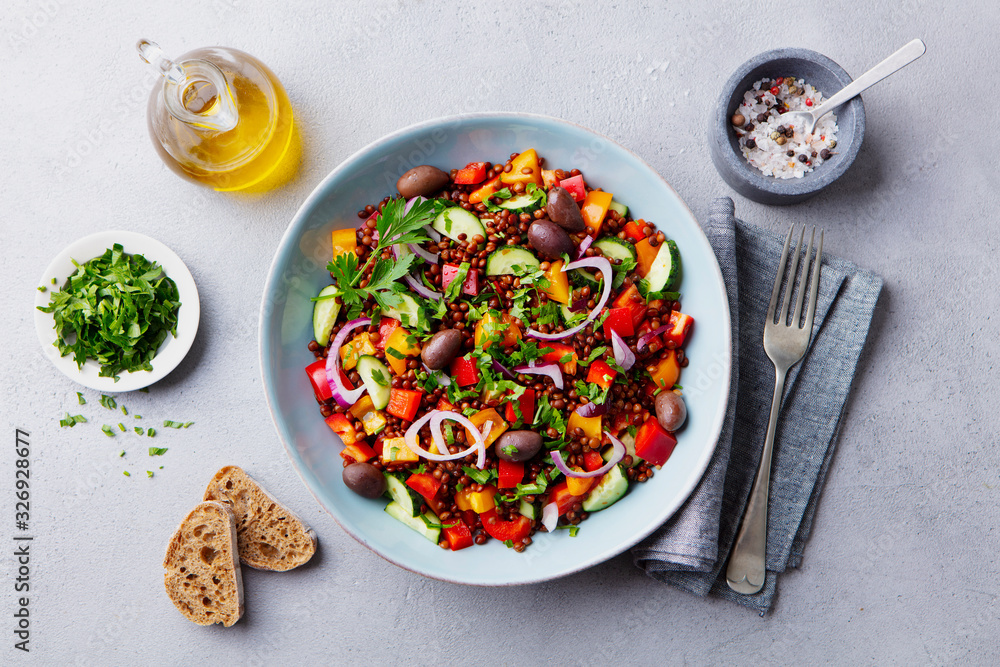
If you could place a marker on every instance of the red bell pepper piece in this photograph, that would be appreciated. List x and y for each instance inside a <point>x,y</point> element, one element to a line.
<point>464,372</point>
<point>474,172</point>
<point>575,186</point>
<point>526,402</point>
<point>601,374</point>
<point>633,231</point>
<point>515,530</point>
<point>385,328</point>
<point>510,474</point>
<point>619,320</point>
<point>377,446</point>
<point>343,427</point>
<point>631,299</point>
<point>625,419</point>
<point>592,460</point>
<point>653,443</point>
<point>470,518</point>
<point>404,403</point>
<point>457,533</point>
<point>471,284</point>
<point>680,325</point>
<point>558,353</point>
<point>424,484</point>
<point>564,500</point>
<point>317,377</point>
<point>443,404</point>
<point>359,452</point>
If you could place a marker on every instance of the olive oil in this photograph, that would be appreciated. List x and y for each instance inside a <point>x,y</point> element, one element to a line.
<point>220,117</point>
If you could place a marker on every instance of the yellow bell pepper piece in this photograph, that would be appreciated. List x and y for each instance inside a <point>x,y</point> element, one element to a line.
<point>529,159</point>
<point>395,449</point>
<point>354,349</point>
<point>594,208</point>
<point>344,241</point>
<point>477,501</point>
<point>490,325</point>
<point>667,370</point>
<point>579,485</point>
<point>400,346</point>
<point>497,426</point>
<point>372,419</point>
<point>591,425</point>
<point>558,289</point>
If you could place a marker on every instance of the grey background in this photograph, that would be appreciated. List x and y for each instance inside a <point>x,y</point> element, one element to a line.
<point>902,566</point>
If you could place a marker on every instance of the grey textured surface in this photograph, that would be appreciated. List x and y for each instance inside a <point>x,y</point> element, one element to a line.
<point>902,564</point>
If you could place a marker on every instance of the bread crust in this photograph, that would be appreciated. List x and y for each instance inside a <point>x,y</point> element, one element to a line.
<point>201,570</point>
<point>269,535</point>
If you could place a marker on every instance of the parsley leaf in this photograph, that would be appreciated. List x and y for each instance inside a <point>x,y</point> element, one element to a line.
<point>454,289</point>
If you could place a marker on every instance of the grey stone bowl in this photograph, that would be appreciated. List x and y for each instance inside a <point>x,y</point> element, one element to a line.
<point>828,77</point>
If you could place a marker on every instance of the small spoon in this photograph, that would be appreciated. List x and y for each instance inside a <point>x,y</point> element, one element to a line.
<point>890,65</point>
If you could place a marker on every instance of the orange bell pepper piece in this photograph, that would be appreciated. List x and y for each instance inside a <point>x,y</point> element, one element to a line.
<point>344,241</point>
<point>497,427</point>
<point>558,289</point>
<point>400,346</point>
<point>595,207</point>
<point>491,325</point>
<point>528,159</point>
<point>359,452</point>
<point>667,370</point>
<point>591,425</point>
<point>477,501</point>
<point>485,191</point>
<point>354,349</point>
<point>578,486</point>
<point>645,254</point>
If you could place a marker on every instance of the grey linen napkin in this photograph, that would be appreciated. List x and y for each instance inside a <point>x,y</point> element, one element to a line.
<point>690,550</point>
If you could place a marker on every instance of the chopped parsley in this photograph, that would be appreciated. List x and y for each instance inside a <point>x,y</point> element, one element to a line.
<point>479,476</point>
<point>117,309</point>
<point>546,414</point>
<point>108,402</point>
<point>150,432</point>
<point>454,289</point>
<point>80,399</point>
<point>157,451</point>
<point>126,473</point>
<point>108,431</point>
<point>72,420</point>
<point>149,473</point>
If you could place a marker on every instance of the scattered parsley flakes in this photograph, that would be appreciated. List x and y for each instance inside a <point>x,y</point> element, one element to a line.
<point>149,473</point>
<point>172,424</point>
<point>108,401</point>
<point>121,453</point>
<point>41,288</point>
<point>117,309</point>
<point>80,399</point>
<point>126,473</point>
<point>108,431</point>
<point>157,451</point>
<point>125,411</point>
<point>150,432</point>
<point>121,427</point>
<point>138,430</point>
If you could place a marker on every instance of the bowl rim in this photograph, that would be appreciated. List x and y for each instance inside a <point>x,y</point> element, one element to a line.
<point>443,121</point>
<point>171,351</point>
<point>792,187</point>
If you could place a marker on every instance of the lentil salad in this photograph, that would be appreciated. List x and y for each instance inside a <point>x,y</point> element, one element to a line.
<point>522,368</point>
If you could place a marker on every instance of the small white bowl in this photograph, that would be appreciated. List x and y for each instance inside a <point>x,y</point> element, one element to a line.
<point>171,352</point>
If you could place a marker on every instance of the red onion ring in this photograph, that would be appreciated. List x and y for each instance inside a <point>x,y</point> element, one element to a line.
<point>410,203</point>
<point>421,289</point>
<point>433,233</point>
<point>551,370</point>
<point>425,255</point>
<point>617,454</point>
<point>647,337</point>
<point>592,409</point>
<point>550,516</point>
<point>436,417</point>
<point>602,265</point>
<point>584,244</point>
<point>344,398</point>
<point>623,355</point>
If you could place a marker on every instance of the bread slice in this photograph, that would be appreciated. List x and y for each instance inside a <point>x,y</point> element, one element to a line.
<point>201,570</point>
<point>269,535</point>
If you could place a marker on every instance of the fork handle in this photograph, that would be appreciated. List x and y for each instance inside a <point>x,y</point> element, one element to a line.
<point>746,570</point>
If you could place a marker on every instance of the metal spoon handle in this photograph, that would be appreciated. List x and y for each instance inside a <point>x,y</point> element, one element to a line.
<point>893,63</point>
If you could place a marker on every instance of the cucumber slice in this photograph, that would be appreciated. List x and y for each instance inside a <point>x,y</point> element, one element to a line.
<point>523,203</point>
<point>325,315</point>
<point>528,509</point>
<point>408,312</point>
<point>417,523</point>
<point>456,220</point>
<point>665,272</point>
<point>608,491</point>
<point>402,495</point>
<point>377,380</point>
<point>614,248</point>
<point>568,315</point>
<point>584,278</point>
<point>629,443</point>
<point>506,259</point>
<point>618,207</point>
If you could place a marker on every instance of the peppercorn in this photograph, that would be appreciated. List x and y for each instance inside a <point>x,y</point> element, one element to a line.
<point>780,140</point>
<point>825,154</point>
<point>738,120</point>
<point>803,158</point>
<point>750,143</point>
<point>761,117</point>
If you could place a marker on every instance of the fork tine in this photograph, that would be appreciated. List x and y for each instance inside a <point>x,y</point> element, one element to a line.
<point>805,277</point>
<point>814,287</point>
<point>791,278</point>
<point>777,278</point>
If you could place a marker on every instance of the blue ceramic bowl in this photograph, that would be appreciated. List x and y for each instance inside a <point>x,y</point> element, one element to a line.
<point>298,273</point>
<point>828,77</point>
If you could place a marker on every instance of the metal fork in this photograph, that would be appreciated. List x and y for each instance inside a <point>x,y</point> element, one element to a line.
<point>785,343</point>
